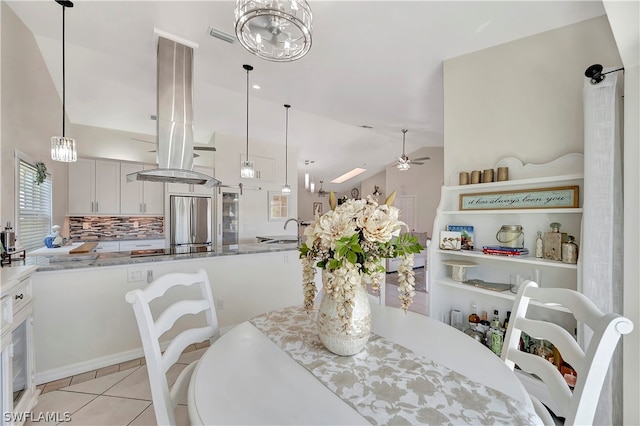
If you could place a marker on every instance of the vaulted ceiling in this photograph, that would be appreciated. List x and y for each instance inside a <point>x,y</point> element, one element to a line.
<point>372,63</point>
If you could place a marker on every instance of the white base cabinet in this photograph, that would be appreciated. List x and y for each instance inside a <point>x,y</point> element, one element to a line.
<point>17,359</point>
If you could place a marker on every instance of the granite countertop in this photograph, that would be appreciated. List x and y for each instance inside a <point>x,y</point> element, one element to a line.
<point>117,238</point>
<point>93,260</point>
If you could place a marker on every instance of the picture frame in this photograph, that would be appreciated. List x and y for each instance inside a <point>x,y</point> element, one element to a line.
<point>317,208</point>
<point>535,198</point>
<point>466,235</point>
<point>278,206</point>
<point>450,240</point>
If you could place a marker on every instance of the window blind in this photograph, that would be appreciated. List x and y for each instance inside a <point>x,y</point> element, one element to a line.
<point>34,207</point>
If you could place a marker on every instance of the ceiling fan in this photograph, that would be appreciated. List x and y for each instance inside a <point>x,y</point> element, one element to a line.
<point>322,192</point>
<point>404,163</point>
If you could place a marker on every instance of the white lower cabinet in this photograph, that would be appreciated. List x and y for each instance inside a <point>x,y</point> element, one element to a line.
<point>17,360</point>
<point>108,247</point>
<point>141,245</point>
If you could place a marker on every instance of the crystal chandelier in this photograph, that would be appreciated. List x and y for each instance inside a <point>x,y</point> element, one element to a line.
<point>246,166</point>
<point>63,148</point>
<point>276,30</point>
<point>286,188</point>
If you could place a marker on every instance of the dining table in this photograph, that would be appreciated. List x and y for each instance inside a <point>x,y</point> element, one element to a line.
<point>273,369</point>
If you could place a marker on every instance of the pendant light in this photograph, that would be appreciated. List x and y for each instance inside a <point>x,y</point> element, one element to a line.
<point>246,166</point>
<point>286,188</point>
<point>276,30</point>
<point>307,176</point>
<point>63,148</point>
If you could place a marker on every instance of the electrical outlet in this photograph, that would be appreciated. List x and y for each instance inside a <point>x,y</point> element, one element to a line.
<point>220,305</point>
<point>135,224</point>
<point>134,275</point>
<point>86,225</point>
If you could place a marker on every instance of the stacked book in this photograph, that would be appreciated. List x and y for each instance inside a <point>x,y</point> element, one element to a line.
<point>504,251</point>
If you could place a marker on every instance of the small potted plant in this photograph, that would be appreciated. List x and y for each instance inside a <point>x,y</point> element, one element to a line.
<point>41,172</point>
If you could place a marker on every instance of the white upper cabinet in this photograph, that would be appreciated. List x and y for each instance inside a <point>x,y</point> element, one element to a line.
<point>94,187</point>
<point>140,197</point>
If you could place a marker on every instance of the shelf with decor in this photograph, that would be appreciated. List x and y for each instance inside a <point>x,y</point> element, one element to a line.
<point>483,210</point>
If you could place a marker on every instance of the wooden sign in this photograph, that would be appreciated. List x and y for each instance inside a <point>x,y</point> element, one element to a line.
<point>542,198</point>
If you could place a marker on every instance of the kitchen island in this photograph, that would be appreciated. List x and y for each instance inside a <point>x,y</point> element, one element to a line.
<point>82,321</point>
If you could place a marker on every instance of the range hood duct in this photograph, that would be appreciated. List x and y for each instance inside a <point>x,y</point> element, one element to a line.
<point>175,119</point>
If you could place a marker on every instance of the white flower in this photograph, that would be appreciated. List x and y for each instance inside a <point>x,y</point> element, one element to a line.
<point>349,243</point>
<point>379,224</point>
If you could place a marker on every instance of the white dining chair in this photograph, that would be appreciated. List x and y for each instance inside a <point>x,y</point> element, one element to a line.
<point>577,406</point>
<point>151,330</point>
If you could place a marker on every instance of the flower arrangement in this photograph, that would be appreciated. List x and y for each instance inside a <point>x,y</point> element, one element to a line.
<point>349,243</point>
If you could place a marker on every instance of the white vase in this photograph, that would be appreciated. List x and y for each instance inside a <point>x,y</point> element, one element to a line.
<point>335,337</point>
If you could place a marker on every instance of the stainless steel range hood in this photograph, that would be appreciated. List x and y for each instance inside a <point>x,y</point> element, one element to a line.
<point>175,119</point>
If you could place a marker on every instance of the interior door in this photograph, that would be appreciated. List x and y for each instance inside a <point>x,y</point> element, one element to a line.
<point>407,206</point>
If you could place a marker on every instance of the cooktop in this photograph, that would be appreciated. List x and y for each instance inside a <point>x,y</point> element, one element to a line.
<point>172,250</point>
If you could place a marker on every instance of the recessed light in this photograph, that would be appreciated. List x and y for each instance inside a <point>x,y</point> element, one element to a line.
<point>255,86</point>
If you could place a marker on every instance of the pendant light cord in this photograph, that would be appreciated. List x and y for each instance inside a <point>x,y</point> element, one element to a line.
<point>63,75</point>
<point>286,145</point>
<point>248,113</point>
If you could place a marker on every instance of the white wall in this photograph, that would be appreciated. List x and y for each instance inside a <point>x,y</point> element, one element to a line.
<point>521,99</point>
<point>254,202</point>
<point>423,181</point>
<point>31,114</point>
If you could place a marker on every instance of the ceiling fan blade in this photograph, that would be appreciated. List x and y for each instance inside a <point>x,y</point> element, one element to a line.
<point>422,158</point>
<point>204,148</point>
<point>417,162</point>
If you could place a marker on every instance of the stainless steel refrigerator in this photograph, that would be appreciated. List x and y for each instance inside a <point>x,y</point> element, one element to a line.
<point>190,220</point>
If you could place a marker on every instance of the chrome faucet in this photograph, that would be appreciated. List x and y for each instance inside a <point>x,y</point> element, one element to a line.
<point>289,220</point>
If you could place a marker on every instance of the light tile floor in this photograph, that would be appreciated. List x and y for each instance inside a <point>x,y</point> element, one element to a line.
<point>120,394</point>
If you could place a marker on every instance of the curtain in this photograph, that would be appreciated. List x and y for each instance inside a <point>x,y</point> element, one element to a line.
<point>602,226</point>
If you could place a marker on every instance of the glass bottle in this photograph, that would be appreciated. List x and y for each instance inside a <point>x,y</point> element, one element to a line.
<point>570,251</point>
<point>539,252</point>
<point>495,321</point>
<point>496,333</point>
<point>474,319</point>
<point>506,320</point>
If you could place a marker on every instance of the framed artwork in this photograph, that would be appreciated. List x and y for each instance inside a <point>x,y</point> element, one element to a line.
<point>278,206</point>
<point>466,235</point>
<point>317,208</point>
<point>542,198</point>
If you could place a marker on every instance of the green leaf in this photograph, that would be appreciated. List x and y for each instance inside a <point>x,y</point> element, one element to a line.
<point>352,257</point>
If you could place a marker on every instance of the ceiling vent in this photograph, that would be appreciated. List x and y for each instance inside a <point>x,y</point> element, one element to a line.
<point>221,35</point>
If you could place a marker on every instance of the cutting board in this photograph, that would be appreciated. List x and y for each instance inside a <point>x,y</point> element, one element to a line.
<point>84,248</point>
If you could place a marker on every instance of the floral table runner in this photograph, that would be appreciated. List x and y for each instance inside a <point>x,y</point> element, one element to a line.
<point>389,384</point>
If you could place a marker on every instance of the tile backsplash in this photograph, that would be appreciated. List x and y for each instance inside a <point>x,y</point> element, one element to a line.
<point>84,228</point>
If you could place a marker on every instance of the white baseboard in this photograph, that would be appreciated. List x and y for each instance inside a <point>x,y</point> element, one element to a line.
<point>96,363</point>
